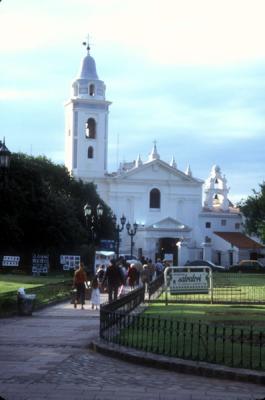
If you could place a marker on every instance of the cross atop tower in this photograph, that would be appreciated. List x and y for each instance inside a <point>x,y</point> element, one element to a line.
<point>86,43</point>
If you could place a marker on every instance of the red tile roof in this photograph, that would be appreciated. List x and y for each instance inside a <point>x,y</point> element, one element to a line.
<point>239,240</point>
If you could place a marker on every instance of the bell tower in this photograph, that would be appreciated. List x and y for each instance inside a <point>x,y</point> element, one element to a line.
<point>86,123</point>
<point>216,191</point>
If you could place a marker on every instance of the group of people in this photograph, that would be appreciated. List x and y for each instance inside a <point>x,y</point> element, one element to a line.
<point>114,279</point>
<point>80,283</point>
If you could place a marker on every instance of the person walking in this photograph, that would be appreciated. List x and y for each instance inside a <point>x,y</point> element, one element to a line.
<point>80,279</point>
<point>151,270</point>
<point>95,293</point>
<point>114,279</point>
<point>132,276</point>
<point>159,267</point>
<point>100,274</point>
<point>145,276</point>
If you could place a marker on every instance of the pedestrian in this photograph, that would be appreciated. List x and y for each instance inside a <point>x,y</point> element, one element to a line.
<point>100,273</point>
<point>113,278</point>
<point>151,270</point>
<point>124,269</point>
<point>159,267</point>
<point>95,293</point>
<point>80,279</point>
<point>139,267</point>
<point>132,276</point>
<point>145,276</point>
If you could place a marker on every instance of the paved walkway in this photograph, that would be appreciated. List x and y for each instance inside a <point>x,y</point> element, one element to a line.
<point>46,356</point>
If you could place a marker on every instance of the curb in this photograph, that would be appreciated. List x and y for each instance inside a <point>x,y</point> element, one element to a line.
<point>177,364</point>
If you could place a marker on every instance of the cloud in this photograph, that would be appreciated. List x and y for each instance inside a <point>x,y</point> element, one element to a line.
<point>21,95</point>
<point>189,74</point>
<point>205,32</point>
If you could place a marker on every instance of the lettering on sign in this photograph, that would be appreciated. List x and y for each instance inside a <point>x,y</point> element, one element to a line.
<point>188,282</point>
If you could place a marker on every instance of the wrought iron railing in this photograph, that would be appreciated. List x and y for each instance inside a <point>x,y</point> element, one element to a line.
<point>227,288</point>
<point>126,304</point>
<point>155,287</point>
<point>242,347</point>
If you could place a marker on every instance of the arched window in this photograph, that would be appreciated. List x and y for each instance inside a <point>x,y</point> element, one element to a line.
<point>90,152</point>
<point>155,198</point>
<point>91,128</point>
<point>92,90</point>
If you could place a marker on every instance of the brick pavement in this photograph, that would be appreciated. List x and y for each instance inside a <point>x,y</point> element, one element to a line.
<point>46,356</point>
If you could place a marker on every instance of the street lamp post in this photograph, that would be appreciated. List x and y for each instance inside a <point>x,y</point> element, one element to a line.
<point>118,229</point>
<point>92,217</point>
<point>131,232</point>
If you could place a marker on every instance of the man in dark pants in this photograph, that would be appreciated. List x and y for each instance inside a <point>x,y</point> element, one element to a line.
<point>114,279</point>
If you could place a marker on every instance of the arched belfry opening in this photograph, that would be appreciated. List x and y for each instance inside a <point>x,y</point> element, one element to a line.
<point>91,90</point>
<point>91,128</point>
<point>90,152</point>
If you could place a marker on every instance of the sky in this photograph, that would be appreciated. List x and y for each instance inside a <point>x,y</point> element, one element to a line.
<point>189,74</point>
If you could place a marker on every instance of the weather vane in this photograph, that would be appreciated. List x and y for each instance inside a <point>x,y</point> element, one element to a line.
<point>86,43</point>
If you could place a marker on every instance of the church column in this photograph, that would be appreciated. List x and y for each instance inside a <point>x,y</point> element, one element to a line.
<point>183,253</point>
<point>207,251</point>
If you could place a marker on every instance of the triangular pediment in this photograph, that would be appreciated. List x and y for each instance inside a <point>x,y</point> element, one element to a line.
<point>157,169</point>
<point>169,224</point>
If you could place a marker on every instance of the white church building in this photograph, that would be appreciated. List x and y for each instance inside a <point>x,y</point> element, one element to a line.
<point>178,215</point>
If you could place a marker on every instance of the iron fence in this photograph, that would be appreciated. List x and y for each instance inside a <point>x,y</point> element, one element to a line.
<point>242,347</point>
<point>155,287</point>
<point>126,304</point>
<point>227,288</point>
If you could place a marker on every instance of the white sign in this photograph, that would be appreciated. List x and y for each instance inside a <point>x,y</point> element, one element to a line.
<point>69,262</point>
<point>168,257</point>
<point>10,261</point>
<point>40,264</point>
<point>188,282</point>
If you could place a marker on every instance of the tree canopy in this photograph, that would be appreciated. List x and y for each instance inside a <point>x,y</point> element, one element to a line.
<point>42,207</point>
<point>253,208</point>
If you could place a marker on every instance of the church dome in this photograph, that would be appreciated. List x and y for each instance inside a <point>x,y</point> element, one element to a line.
<point>88,69</point>
<point>215,170</point>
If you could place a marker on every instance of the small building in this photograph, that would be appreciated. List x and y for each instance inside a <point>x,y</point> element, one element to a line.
<point>235,246</point>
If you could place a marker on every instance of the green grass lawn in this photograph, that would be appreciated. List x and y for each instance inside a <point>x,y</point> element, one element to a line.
<point>12,282</point>
<point>48,289</point>
<point>224,334</point>
<point>233,313</point>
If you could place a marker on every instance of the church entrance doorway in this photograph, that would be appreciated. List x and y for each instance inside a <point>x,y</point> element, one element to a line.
<point>168,246</point>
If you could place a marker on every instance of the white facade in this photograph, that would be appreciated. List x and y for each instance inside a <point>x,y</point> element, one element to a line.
<point>166,203</point>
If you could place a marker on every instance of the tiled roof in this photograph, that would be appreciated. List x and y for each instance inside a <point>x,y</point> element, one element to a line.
<point>239,240</point>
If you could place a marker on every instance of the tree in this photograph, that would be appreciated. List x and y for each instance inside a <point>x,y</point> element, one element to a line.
<point>254,211</point>
<point>42,208</point>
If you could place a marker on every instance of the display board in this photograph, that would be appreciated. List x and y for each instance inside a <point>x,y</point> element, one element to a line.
<point>40,264</point>
<point>10,261</point>
<point>69,262</point>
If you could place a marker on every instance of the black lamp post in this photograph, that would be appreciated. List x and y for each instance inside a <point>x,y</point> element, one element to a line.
<point>5,156</point>
<point>118,229</point>
<point>92,218</point>
<point>131,232</point>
